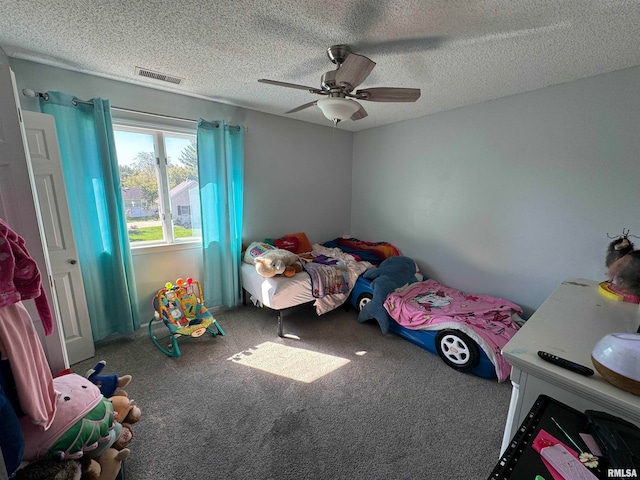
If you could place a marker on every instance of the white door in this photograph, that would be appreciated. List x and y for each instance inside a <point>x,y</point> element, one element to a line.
<point>18,208</point>
<point>42,141</point>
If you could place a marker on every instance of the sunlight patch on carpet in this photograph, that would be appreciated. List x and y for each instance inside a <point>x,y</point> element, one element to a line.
<point>294,363</point>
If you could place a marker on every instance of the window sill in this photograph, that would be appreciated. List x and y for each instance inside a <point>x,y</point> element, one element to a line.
<point>164,247</point>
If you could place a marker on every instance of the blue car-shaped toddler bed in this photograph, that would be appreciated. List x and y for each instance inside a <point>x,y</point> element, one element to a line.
<point>456,342</point>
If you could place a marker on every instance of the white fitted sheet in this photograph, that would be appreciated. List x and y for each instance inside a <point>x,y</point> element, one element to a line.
<point>277,292</point>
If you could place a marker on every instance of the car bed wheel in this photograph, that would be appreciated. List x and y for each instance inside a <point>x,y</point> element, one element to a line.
<point>363,299</point>
<point>457,350</point>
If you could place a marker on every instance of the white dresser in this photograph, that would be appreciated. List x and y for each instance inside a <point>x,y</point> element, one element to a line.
<point>568,324</point>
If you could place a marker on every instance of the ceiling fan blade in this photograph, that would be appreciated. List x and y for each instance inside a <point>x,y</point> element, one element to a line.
<point>302,107</point>
<point>360,113</point>
<point>389,94</point>
<point>354,70</point>
<point>290,85</point>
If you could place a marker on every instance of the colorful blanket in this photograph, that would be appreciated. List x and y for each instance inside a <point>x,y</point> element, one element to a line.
<point>373,252</point>
<point>429,305</point>
<point>328,276</point>
<point>348,276</point>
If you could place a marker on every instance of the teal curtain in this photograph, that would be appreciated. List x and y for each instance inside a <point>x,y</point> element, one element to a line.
<point>90,167</point>
<point>221,172</point>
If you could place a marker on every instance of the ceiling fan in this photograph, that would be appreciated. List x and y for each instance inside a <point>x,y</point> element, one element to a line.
<point>337,87</point>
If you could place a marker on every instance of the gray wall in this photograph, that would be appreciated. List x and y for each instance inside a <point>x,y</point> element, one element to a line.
<point>507,197</point>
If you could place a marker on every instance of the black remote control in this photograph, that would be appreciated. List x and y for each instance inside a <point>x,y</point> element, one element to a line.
<point>564,363</point>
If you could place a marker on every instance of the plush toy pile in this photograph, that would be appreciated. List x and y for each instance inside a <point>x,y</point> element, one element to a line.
<point>90,432</point>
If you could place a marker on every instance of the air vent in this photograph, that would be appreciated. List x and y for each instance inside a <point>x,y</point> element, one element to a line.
<point>163,77</point>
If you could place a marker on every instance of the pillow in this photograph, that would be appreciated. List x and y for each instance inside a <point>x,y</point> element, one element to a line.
<point>290,243</point>
<point>304,246</point>
<point>255,249</point>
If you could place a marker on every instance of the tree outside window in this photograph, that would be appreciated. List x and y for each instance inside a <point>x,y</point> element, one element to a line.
<point>159,177</point>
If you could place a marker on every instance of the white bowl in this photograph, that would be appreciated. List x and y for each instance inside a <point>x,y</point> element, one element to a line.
<point>616,356</point>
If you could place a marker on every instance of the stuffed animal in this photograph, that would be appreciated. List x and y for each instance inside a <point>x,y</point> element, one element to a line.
<point>625,273</point>
<point>125,437</point>
<point>618,248</point>
<point>111,462</point>
<point>91,469</point>
<point>50,469</point>
<point>114,434</point>
<point>108,384</point>
<point>125,409</point>
<point>277,262</point>
<point>83,420</point>
<point>623,264</point>
<point>256,249</point>
<point>393,273</point>
<point>126,412</point>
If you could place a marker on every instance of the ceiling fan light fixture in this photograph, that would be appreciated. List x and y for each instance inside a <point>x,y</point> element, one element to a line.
<point>337,109</point>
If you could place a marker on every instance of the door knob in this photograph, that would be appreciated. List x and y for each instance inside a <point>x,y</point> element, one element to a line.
<point>72,262</point>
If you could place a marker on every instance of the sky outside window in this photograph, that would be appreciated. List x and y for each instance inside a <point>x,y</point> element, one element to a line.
<point>129,144</point>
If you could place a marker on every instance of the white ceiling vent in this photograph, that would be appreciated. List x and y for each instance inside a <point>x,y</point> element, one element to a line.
<point>163,77</point>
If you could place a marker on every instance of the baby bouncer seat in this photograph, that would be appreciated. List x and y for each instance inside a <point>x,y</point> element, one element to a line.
<point>181,308</point>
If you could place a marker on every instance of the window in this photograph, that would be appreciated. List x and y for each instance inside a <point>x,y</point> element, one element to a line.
<point>159,176</point>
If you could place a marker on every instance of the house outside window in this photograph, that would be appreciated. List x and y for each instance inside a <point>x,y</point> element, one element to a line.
<point>159,177</point>
<point>184,210</point>
<point>184,195</point>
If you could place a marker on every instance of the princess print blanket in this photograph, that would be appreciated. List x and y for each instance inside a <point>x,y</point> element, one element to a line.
<point>328,276</point>
<point>429,305</point>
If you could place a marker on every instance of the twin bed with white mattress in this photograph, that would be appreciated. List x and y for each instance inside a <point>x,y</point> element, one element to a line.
<point>282,293</point>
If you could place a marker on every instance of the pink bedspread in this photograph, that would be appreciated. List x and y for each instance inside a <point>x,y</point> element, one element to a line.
<point>429,305</point>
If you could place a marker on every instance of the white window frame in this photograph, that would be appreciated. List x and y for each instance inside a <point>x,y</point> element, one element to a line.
<point>159,131</point>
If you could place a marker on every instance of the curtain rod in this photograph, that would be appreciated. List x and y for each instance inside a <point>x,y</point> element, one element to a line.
<point>75,101</point>
<point>122,109</point>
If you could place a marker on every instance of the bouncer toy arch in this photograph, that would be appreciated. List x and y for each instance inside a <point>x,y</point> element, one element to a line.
<point>181,308</point>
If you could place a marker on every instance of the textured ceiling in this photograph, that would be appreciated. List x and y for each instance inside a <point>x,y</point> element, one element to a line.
<point>457,52</point>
